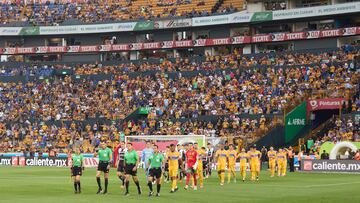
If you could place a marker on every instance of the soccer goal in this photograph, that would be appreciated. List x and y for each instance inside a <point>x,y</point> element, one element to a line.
<point>162,141</point>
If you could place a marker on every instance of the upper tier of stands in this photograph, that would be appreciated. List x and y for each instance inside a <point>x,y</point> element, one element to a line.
<point>90,11</point>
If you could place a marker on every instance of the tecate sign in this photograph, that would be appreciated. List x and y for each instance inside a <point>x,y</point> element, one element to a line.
<point>331,166</point>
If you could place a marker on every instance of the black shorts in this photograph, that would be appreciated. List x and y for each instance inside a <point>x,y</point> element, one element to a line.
<point>76,171</point>
<point>155,173</point>
<point>103,166</point>
<point>121,167</point>
<point>205,165</point>
<point>129,169</point>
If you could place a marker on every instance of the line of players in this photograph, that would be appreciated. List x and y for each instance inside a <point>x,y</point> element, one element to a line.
<point>190,161</point>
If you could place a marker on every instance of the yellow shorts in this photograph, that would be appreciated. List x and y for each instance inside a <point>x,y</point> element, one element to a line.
<point>255,166</point>
<point>272,163</point>
<point>232,167</point>
<point>242,167</point>
<point>173,172</point>
<point>221,166</point>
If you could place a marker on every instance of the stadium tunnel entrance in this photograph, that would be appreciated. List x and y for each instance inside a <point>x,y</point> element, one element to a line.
<point>318,117</point>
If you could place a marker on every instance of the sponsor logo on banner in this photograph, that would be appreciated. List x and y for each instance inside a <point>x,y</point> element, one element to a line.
<point>25,50</point>
<point>14,161</point>
<point>210,20</point>
<point>30,31</point>
<point>105,47</point>
<point>83,29</point>
<point>262,16</point>
<point>295,36</point>
<point>176,23</point>
<point>348,166</point>
<point>317,11</point>
<point>144,25</point>
<point>186,43</point>
<point>313,34</point>
<point>331,103</point>
<point>21,161</point>
<point>73,49</point>
<point>120,47</point>
<point>91,162</point>
<point>89,49</point>
<point>10,31</point>
<point>167,44</point>
<point>261,38</point>
<point>37,161</point>
<point>240,17</point>
<point>136,46</point>
<point>241,40</point>
<point>295,121</point>
<point>200,42</point>
<point>5,161</point>
<point>153,45</point>
<point>221,41</point>
<point>307,165</point>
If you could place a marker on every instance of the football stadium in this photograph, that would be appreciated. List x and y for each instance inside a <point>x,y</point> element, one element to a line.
<point>190,101</point>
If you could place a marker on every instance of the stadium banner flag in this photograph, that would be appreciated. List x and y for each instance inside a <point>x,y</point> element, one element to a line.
<point>340,166</point>
<point>30,31</point>
<point>87,29</point>
<point>262,16</point>
<point>174,23</point>
<point>5,161</point>
<point>317,11</point>
<point>295,121</point>
<point>54,161</point>
<point>144,25</point>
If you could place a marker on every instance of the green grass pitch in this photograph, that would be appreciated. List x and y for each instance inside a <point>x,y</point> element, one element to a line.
<point>52,185</point>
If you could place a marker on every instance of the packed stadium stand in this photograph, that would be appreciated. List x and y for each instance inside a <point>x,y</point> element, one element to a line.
<point>75,74</point>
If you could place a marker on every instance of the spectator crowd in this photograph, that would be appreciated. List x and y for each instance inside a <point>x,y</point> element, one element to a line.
<point>90,11</point>
<point>239,91</point>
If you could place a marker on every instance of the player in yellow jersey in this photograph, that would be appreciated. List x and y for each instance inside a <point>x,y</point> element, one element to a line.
<point>221,159</point>
<point>173,158</point>
<point>272,161</point>
<point>243,156</point>
<point>232,156</point>
<point>199,170</point>
<point>254,156</point>
<point>281,162</point>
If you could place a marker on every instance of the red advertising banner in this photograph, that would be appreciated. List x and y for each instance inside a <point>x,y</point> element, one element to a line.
<point>260,38</point>
<point>319,104</point>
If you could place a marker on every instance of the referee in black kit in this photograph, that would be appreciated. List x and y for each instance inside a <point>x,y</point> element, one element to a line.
<point>105,156</point>
<point>131,159</point>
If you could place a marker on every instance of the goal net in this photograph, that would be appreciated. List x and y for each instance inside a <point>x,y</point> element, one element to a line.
<point>162,141</point>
